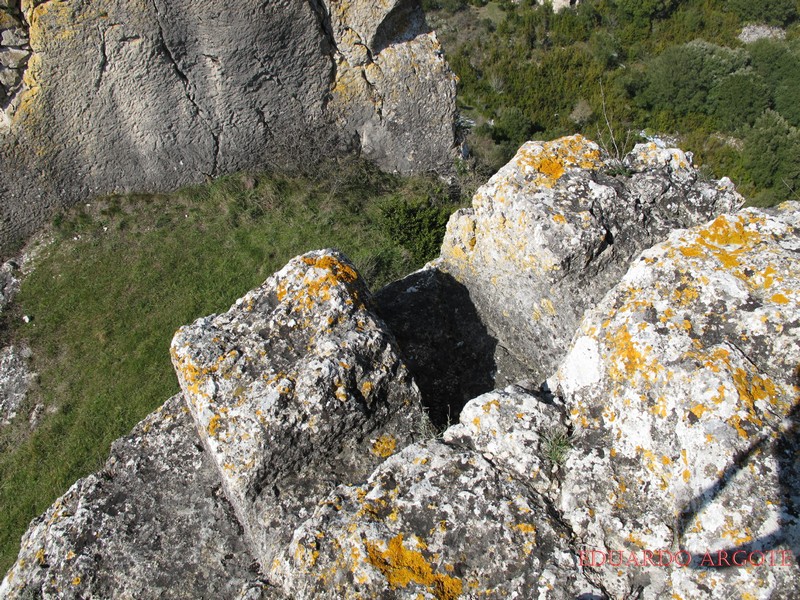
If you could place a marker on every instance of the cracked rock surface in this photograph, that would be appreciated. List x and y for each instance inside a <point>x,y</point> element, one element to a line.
<point>554,230</point>
<point>111,96</point>
<point>682,387</point>
<point>298,388</point>
<point>153,523</point>
<point>435,521</point>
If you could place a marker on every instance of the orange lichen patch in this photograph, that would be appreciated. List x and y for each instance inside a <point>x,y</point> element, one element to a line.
<point>384,446</point>
<point>659,407</point>
<point>560,219</point>
<point>627,359</point>
<point>685,294</point>
<point>317,287</point>
<point>779,299</point>
<point>491,403</point>
<point>768,277</point>
<point>552,159</point>
<point>752,389</point>
<point>691,251</point>
<point>698,409</point>
<point>737,536</point>
<point>401,567</point>
<point>525,528</point>
<point>727,231</point>
<point>735,421</point>
<point>307,557</point>
<point>548,306</point>
<point>213,426</point>
<point>76,580</point>
<point>40,556</point>
<point>728,238</point>
<point>687,475</point>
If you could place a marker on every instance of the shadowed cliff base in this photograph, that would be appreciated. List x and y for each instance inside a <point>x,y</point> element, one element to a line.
<point>118,97</point>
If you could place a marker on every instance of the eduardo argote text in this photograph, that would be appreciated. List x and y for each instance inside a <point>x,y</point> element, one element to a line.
<point>684,558</point>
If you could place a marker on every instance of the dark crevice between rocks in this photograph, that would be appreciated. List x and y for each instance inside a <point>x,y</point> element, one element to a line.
<point>448,349</point>
<point>324,21</point>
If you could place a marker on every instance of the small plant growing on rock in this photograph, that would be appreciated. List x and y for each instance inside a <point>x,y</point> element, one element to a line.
<point>556,443</point>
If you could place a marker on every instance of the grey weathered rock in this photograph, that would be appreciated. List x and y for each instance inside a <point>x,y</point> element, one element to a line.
<point>120,96</point>
<point>433,521</point>
<point>15,380</point>
<point>519,432</point>
<point>298,388</point>
<point>553,230</point>
<point>683,386</point>
<point>753,33</point>
<point>9,284</point>
<point>153,523</point>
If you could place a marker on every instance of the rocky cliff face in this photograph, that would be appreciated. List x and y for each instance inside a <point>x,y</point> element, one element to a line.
<point>110,96</point>
<point>659,459</point>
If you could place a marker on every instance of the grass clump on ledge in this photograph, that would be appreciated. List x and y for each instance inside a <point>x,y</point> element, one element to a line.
<point>123,273</point>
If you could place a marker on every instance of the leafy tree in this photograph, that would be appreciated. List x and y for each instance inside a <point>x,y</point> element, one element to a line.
<point>738,99</point>
<point>680,78</point>
<point>772,155</point>
<point>773,12</point>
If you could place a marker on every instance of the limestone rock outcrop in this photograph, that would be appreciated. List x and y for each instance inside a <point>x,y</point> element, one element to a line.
<point>555,229</point>
<point>435,521</point>
<point>682,388</point>
<point>153,523</point>
<point>297,389</point>
<point>111,96</point>
<point>668,433</point>
<point>15,380</point>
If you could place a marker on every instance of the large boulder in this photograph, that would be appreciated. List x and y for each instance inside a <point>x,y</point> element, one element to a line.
<point>682,390</point>
<point>434,521</point>
<point>297,389</point>
<point>108,96</point>
<point>153,523</point>
<point>557,227</point>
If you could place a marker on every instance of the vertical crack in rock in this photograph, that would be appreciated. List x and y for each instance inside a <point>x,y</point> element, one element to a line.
<point>188,87</point>
<point>101,68</point>
<point>324,22</point>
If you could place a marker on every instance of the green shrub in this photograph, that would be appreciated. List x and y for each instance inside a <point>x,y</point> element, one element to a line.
<point>738,99</point>
<point>772,156</point>
<point>773,12</point>
<point>417,224</point>
<point>680,79</point>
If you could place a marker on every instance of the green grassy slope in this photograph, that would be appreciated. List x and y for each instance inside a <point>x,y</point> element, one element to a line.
<point>125,273</point>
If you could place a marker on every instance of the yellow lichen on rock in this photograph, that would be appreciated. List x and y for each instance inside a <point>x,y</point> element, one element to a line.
<point>384,446</point>
<point>552,159</point>
<point>402,567</point>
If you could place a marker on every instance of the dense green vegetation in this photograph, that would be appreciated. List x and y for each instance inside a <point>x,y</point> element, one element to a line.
<point>124,273</point>
<point>623,67</point>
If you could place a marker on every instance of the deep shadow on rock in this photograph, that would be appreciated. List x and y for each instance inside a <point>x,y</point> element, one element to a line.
<point>785,448</point>
<point>448,349</point>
